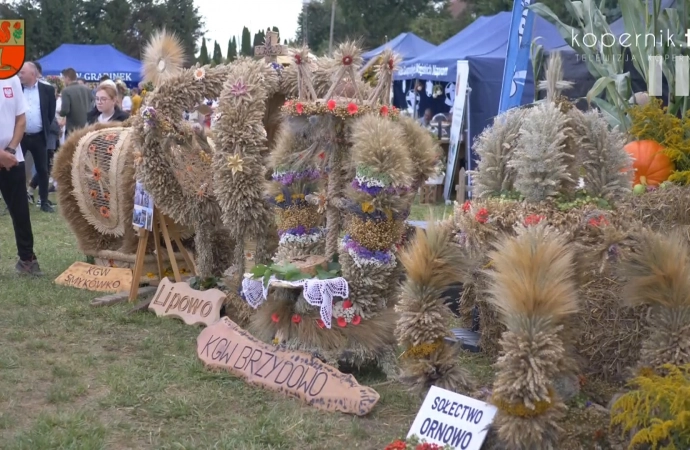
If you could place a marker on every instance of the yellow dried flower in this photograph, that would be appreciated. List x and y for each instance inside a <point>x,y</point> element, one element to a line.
<point>368,208</point>
<point>280,198</point>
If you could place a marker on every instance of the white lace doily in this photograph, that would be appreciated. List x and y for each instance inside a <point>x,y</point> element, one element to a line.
<point>316,292</point>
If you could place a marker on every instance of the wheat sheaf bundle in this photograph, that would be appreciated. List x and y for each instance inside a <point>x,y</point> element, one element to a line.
<point>431,263</point>
<point>532,285</point>
<point>163,57</point>
<point>658,274</point>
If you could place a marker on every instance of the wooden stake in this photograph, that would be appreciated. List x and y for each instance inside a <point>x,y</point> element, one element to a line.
<point>167,227</point>
<point>169,247</point>
<point>139,263</point>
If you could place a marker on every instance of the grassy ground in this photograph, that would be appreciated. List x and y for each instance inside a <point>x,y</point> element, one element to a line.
<point>77,377</point>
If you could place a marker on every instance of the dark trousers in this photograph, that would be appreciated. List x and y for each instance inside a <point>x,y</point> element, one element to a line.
<point>34,180</point>
<point>36,144</point>
<point>13,189</point>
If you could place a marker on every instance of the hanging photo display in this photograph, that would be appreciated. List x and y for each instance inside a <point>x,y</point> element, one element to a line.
<point>143,208</point>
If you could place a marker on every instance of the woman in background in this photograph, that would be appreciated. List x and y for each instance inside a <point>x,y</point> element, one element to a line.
<point>107,109</point>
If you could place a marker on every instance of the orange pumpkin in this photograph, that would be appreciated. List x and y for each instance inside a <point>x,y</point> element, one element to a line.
<point>652,166</point>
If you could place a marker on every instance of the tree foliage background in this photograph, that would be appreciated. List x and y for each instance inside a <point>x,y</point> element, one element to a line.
<point>125,24</point>
<point>373,23</point>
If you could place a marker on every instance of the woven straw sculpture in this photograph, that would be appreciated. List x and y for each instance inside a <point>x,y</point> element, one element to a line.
<point>342,165</point>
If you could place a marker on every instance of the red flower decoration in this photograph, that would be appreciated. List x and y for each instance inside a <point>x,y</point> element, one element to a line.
<point>275,317</point>
<point>17,25</point>
<point>482,216</point>
<point>299,108</point>
<point>390,63</point>
<point>298,59</point>
<point>599,221</point>
<point>296,318</point>
<point>384,110</point>
<point>533,219</point>
<point>320,323</point>
<point>347,60</point>
<point>347,304</point>
<point>466,206</point>
<point>322,155</point>
<point>331,105</point>
<point>342,323</point>
<point>352,109</point>
<point>397,445</point>
<point>356,320</point>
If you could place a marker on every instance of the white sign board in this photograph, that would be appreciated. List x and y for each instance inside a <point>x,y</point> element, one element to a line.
<point>447,418</point>
<point>456,125</point>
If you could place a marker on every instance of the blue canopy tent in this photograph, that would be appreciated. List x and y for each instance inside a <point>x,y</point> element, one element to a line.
<point>91,62</point>
<point>407,45</point>
<point>484,44</point>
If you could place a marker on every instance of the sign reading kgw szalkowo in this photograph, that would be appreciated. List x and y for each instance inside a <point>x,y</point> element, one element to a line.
<point>225,345</point>
<point>81,275</point>
<point>192,306</point>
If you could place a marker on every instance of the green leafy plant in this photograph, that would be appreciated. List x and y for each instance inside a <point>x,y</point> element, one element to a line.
<point>287,272</point>
<point>333,270</point>
<point>604,62</point>
<point>581,199</point>
<point>203,284</point>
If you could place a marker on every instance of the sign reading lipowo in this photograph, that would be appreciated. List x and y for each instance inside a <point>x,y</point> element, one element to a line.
<point>81,275</point>
<point>447,418</point>
<point>225,345</point>
<point>192,306</point>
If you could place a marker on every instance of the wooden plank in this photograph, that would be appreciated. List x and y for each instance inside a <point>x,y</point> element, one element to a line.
<point>120,297</point>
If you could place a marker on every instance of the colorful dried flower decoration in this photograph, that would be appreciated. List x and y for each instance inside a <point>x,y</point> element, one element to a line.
<point>466,206</point>
<point>533,219</point>
<point>235,164</point>
<point>149,116</point>
<point>97,174</point>
<point>199,73</point>
<point>105,212</point>
<point>342,110</point>
<point>347,60</point>
<point>239,89</point>
<point>482,215</point>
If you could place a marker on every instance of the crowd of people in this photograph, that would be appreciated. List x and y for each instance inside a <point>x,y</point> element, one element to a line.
<point>36,116</point>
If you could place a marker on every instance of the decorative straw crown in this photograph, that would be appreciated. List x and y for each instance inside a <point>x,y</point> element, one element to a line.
<point>344,98</point>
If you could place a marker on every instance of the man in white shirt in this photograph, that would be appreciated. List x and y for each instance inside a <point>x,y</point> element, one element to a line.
<point>12,176</point>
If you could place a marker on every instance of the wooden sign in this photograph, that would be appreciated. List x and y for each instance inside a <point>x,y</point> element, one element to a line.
<point>447,418</point>
<point>271,48</point>
<point>192,306</point>
<point>81,275</point>
<point>295,374</point>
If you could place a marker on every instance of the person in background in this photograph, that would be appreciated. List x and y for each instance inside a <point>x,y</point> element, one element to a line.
<point>40,114</point>
<point>136,101</point>
<point>12,174</point>
<point>425,120</point>
<point>124,101</point>
<point>81,81</point>
<point>107,109</point>
<point>76,102</point>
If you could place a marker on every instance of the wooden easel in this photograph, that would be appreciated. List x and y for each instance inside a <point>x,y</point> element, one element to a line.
<point>163,224</point>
